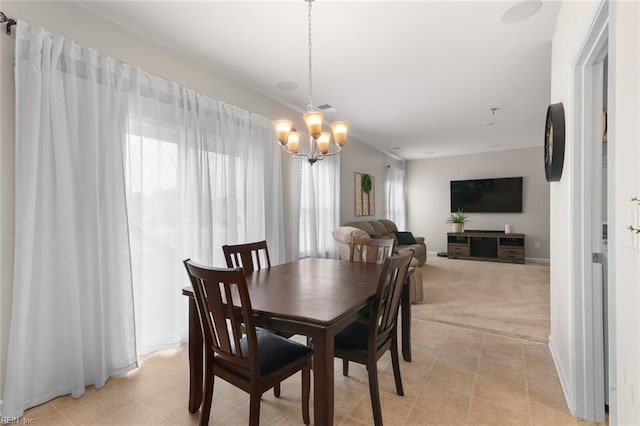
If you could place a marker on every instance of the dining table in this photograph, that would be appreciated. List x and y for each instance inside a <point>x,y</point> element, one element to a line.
<point>313,297</point>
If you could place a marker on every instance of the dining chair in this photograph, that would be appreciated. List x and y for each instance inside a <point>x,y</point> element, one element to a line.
<point>368,250</point>
<point>371,250</point>
<point>250,358</point>
<point>249,256</point>
<point>252,257</point>
<point>364,343</point>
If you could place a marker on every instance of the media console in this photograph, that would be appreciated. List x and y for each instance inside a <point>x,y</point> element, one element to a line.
<point>495,246</point>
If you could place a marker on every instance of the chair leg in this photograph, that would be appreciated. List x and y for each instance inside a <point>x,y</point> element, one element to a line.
<point>276,390</point>
<point>345,367</point>
<point>208,392</point>
<point>306,389</point>
<point>254,409</point>
<point>374,392</point>
<point>396,367</point>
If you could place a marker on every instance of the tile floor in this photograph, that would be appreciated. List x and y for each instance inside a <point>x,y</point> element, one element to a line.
<point>458,376</point>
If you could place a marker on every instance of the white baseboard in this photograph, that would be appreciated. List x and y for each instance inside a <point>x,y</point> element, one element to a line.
<point>526,259</point>
<point>564,381</point>
<point>536,259</point>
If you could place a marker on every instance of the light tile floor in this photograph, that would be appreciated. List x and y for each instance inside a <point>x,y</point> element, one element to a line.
<point>458,376</point>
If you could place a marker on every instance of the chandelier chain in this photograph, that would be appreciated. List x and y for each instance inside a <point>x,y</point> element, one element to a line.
<point>310,107</point>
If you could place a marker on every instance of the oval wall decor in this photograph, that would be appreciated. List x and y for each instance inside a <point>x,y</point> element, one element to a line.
<point>554,142</point>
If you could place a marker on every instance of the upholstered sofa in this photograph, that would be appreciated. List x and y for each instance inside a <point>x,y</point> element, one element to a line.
<point>344,235</point>
<point>384,228</point>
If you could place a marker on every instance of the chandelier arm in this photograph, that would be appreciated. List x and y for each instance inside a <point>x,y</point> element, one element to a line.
<point>312,157</point>
<point>330,154</point>
<point>294,154</point>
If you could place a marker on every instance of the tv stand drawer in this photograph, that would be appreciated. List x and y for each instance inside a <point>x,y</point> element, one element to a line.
<point>458,250</point>
<point>511,254</point>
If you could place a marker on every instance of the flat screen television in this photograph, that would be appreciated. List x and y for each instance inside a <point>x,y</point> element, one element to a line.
<point>501,195</point>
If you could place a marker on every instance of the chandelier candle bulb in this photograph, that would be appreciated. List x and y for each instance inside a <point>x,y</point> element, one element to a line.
<point>323,142</point>
<point>314,123</point>
<point>283,127</point>
<point>293,142</point>
<point>340,129</point>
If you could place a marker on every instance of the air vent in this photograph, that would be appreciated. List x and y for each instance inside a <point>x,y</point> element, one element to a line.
<point>326,108</point>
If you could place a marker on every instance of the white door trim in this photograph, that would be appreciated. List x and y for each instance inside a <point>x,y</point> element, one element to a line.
<point>588,345</point>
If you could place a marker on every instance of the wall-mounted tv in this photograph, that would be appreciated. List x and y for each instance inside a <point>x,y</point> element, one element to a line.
<point>501,195</point>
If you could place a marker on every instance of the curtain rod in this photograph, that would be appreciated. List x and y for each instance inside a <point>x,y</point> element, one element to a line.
<point>9,21</point>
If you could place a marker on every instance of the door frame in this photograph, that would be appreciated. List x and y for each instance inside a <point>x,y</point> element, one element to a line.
<point>588,344</point>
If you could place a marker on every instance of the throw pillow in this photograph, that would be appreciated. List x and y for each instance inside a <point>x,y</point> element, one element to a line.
<point>405,238</point>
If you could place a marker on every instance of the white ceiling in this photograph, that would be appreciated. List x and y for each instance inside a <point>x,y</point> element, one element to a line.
<point>418,75</point>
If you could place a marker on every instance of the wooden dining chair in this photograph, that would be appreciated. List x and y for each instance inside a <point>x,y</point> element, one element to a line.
<point>368,250</point>
<point>364,343</point>
<point>250,358</point>
<point>371,250</point>
<point>250,256</point>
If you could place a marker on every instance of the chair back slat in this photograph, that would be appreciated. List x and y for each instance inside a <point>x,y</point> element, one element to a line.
<point>250,256</point>
<point>225,312</point>
<point>371,250</point>
<point>388,296</point>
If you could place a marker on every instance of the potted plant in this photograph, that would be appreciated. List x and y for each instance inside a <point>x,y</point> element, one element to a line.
<point>457,220</point>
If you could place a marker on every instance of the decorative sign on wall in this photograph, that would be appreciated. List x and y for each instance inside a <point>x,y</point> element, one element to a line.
<point>365,194</point>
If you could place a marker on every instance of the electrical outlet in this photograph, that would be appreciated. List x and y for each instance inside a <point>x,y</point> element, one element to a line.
<point>537,244</point>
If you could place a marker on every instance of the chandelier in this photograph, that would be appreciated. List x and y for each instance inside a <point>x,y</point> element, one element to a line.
<point>319,141</point>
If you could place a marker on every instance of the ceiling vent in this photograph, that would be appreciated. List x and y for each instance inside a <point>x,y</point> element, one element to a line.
<point>326,108</point>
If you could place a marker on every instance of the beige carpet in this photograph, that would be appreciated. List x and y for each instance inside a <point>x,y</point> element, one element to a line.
<point>502,298</point>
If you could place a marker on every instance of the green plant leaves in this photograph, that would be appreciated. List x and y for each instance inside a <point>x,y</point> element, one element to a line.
<point>366,183</point>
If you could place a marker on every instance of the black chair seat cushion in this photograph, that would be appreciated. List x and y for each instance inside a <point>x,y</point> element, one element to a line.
<point>353,338</point>
<point>275,352</point>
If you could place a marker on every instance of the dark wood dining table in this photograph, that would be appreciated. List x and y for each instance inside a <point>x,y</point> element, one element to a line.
<point>312,297</point>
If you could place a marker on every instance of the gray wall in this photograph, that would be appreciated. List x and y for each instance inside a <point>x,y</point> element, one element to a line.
<point>359,157</point>
<point>428,205</point>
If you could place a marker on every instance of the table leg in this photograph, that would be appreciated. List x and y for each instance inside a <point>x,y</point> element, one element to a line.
<point>406,322</point>
<point>195,358</point>
<point>323,379</point>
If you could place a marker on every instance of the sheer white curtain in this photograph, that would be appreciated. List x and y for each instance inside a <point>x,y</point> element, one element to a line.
<point>394,191</point>
<point>120,175</point>
<point>319,207</point>
<point>200,174</point>
<point>72,318</point>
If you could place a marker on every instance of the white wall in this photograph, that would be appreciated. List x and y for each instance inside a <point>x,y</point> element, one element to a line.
<point>6,191</point>
<point>573,23</point>
<point>429,206</point>
<point>77,23</point>
<point>624,63</point>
